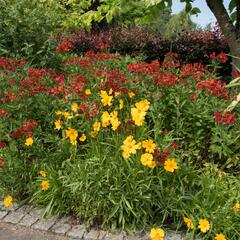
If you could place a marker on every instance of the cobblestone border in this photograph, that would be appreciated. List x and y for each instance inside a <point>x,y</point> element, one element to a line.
<point>32,218</point>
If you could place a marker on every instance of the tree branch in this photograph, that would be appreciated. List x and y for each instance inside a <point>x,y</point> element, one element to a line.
<point>224,21</point>
<point>238,19</point>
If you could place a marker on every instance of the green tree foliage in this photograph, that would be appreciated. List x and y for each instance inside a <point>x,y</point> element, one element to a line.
<point>178,23</point>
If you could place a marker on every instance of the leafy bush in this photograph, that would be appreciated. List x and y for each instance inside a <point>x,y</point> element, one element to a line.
<point>26,26</point>
<point>122,143</point>
<point>191,47</point>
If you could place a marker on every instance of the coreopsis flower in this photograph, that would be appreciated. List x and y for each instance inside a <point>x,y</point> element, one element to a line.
<point>143,105</point>
<point>83,138</point>
<point>157,234</point>
<point>43,173</point>
<point>116,94</point>
<point>96,126</point>
<point>105,119</point>
<point>130,146</point>
<point>88,92</point>
<point>203,225</point>
<point>188,222</point>
<point>114,120</point>
<point>58,124</point>
<point>147,160</point>
<point>72,134</point>
<point>121,104</point>
<point>110,91</point>
<point>219,236</point>
<point>106,99</point>
<point>29,141</point>
<point>74,107</point>
<point>93,134</point>
<point>138,116</point>
<point>66,115</point>
<point>170,165</point>
<point>8,201</point>
<point>131,94</point>
<point>236,208</point>
<point>149,146</point>
<point>45,185</point>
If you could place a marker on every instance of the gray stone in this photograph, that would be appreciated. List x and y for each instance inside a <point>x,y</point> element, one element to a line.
<point>61,228</point>
<point>94,235</point>
<point>11,208</point>
<point>45,224</point>
<point>131,238</point>
<point>28,220</point>
<point>36,212</point>
<point>3,214</point>
<point>65,219</point>
<point>110,236</point>
<point>13,217</point>
<point>77,231</point>
<point>171,235</point>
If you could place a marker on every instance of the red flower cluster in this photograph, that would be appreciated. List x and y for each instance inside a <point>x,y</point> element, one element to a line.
<point>100,56</point>
<point>26,129</point>
<point>143,67</point>
<point>65,46</point>
<point>217,88</point>
<point>227,118</point>
<point>3,112</point>
<point>221,57</point>
<point>166,79</point>
<point>195,70</point>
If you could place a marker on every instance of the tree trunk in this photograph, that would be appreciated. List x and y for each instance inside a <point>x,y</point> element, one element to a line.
<point>231,32</point>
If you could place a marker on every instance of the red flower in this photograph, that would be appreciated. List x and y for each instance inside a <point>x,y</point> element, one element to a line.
<point>3,112</point>
<point>222,57</point>
<point>1,162</point>
<point>193,97</point>
<point>2,144</point>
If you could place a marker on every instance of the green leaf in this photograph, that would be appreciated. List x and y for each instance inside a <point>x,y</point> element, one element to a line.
<point>232,5</point>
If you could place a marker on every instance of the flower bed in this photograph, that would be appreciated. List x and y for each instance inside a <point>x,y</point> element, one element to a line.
<point>122,143</point>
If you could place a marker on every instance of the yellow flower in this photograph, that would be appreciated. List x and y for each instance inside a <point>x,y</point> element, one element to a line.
<point>203,225</point>
<point>93,134</point>
<point>45,185</point>
<point>143,105</point>
<point>236,208</point>
<point>43,173</point>
<point>220,236</point>
<point>114,120</point>
<point>149,145</point>
<point>121,104</point>
<point>138,116</point>
<point>96,126</point>
<point>170,165</point>
<point>72,134</point>
<point>29,141</point>
<point>74,107</point>
<point>131,94</point>
<point>67,115</point>
<point>88,91</point>
<point>157,234</point>
<point>8,201</point>
<point>116,94</point>
<point>129,147</point>
<point>147,160</point>
<point>58,124</point>
<point>83,138</point>
<point>105,119</point>
<point>106,99</point>
<point>188,222</point>
<point>110,91</point>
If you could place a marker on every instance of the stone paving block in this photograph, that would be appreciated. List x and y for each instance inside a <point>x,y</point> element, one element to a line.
<point>132,237</point>
<point>110,236</point>
<point>13,217</point>
<point>61,228</point>
<point>3,214</point>
<point>45,224</point>
<point>77,231</point>
<point>174,236</point>
<point>65,219</point>
<point>12,208</point>
<point>37,212</point>
<point>94,235</point>
<point>28,220</point>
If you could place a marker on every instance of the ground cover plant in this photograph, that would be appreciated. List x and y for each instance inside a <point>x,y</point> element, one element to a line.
<point>122,143</point>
